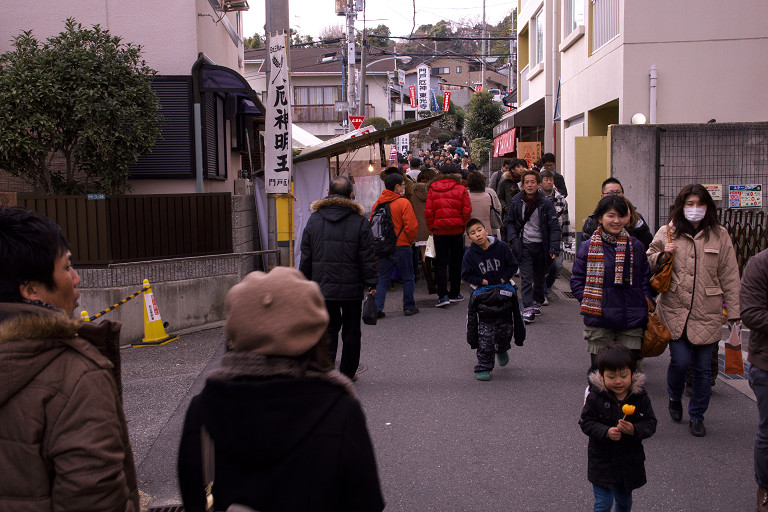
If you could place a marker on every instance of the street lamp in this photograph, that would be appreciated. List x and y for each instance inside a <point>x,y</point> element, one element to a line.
<point>405,59</point>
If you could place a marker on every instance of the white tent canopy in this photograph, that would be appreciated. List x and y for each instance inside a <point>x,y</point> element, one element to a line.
<point>302,138</point>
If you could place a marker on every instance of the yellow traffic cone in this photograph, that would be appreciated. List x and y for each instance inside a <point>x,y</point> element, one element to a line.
<point>154,329</point>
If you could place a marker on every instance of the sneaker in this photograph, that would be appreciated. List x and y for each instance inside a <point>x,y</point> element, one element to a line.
<point>484,375</point>
<point>442,301</point>
<point>536,310</point>
<point>528,315</point>
<point>381,314</point>
<point>546,302</point>
<point>457,298</point>
<point>410,312</point>
<point>502,358</point>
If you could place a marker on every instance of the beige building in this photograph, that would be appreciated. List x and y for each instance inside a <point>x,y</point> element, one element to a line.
<point>689,61</point>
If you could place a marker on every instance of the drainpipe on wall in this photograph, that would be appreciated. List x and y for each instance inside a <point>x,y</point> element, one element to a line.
<point>654,80</point>
<point>198,120</point>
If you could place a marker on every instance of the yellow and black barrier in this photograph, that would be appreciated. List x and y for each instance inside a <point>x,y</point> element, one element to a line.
<point>154,328</point>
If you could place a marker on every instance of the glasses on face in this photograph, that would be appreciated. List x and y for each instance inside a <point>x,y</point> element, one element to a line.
<point>612,193</point>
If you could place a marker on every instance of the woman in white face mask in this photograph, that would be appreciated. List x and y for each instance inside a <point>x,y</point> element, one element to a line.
<point>705,276</point>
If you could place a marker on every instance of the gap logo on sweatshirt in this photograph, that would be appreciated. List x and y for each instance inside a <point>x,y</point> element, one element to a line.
<point>490,265</point>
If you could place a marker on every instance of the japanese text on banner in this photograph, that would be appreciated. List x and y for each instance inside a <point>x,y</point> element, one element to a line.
<point>422,86</point>
<point>278,140</point>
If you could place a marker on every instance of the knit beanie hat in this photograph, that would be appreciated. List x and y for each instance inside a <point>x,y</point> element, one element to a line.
<point>280,313</point>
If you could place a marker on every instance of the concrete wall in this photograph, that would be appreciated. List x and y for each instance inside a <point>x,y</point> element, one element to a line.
<point>188,291</point>
<point>633,163</point>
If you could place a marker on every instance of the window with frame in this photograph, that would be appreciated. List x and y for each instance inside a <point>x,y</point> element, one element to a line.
<point>317,95</point>
<point>573,15</point>
<point>458,69</point>
<point>605,22</point>
<point>442,71</point>
<point>537,41</point>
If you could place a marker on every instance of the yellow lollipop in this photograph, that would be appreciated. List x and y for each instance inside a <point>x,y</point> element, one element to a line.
<point>628,410</point>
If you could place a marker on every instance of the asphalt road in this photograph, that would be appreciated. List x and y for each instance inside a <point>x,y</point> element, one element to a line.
<point>446,442</point>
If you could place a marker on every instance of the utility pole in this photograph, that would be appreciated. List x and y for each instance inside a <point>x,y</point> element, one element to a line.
<point>277,20</point>
<point>363,45</point>
<point>485,46</point>
<point>351,53</point>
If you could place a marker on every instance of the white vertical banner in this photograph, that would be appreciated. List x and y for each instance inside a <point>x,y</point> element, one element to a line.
<point>403,143</point>
<point>422,87</point>
<point>278,159</point>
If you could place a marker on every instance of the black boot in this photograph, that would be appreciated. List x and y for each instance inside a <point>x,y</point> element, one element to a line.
<point>675,410</point>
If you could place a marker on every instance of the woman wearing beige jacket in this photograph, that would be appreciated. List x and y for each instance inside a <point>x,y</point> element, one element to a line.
<point>704,272</point>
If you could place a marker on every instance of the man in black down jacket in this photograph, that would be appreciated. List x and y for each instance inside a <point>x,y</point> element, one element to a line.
<point>337,253</point>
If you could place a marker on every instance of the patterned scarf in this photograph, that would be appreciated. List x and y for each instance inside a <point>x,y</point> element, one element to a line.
<point>592,301</point>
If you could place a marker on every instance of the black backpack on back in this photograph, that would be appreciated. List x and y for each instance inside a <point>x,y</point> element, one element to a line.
<point>384,237</point>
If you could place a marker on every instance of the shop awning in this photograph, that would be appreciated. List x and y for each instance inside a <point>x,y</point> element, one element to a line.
<point>532,115</point>
<point>504,143</point>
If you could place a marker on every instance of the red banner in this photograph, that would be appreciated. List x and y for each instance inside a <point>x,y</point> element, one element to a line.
<point>412,93</point>
<point>504,143</point>
<point>478,88</point>
<point>446,100</point>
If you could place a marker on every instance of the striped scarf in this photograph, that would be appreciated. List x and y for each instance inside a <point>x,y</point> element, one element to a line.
<point>592,301</point>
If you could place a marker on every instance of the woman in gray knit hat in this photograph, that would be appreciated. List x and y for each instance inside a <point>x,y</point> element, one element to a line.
<point>276,427</point>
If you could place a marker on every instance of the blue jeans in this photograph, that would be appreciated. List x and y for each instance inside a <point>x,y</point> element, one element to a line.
<point>683,354</point>
<point>604,497</point>
<point>758,380</point>
<point>402,258</point>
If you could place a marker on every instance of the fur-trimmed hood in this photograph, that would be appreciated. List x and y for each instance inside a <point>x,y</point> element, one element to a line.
<point>31,337</point>
<point>507,175</point>
<point>338,202</point>
<point>455,177</point>
<point>637,386</point>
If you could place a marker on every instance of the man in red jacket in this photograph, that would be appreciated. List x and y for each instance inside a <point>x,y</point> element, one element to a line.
<point>448,210</point>
<point>405,223</point>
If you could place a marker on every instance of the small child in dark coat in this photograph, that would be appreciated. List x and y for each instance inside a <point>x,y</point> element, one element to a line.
<point>493,314</point>
<point>617,416</point>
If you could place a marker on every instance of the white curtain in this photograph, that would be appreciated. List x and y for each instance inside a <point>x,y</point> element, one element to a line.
<point>310,183</point>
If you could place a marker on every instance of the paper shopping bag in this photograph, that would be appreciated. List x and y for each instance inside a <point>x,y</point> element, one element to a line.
<point>734,364</point>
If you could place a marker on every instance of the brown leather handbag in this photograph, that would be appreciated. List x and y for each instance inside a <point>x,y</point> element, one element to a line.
<point>656,336</point>
<point>661,279</point>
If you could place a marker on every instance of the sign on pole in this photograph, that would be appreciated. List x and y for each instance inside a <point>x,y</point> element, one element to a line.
<point>478,88</point>
<point>412,94</point>
<point>401,77</point>
<point>422,85</point>
<point>357,121</point>
<point>446,100</point>
<point>277,141</point>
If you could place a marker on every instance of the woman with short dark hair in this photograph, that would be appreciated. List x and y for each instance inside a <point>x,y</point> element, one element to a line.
<point>704,273</point>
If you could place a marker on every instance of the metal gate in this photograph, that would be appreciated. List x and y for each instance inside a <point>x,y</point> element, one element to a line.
<point>726,153</point>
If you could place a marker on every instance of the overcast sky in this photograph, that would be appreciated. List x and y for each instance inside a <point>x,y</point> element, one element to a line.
<point>309,17</point>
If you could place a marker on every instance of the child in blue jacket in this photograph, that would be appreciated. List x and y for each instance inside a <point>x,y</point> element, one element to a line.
<point>493,315</point>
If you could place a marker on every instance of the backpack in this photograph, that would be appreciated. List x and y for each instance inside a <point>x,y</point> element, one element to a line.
<point>384,238</point>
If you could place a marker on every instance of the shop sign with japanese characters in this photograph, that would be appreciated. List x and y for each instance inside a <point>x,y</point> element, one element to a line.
<point>278,158</point>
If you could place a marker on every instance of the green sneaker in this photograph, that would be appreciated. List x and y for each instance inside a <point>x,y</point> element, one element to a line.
<point>484,375</point>
<point>502,358</point>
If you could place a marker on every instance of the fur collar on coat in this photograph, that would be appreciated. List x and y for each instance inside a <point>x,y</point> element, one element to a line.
<point>337,201</point>
<point>637,385</point>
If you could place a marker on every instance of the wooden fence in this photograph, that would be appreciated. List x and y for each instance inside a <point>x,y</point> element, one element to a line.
<point>139,227</point>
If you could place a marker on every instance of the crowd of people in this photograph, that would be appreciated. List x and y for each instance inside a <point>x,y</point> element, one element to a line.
<point>277,410</point>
